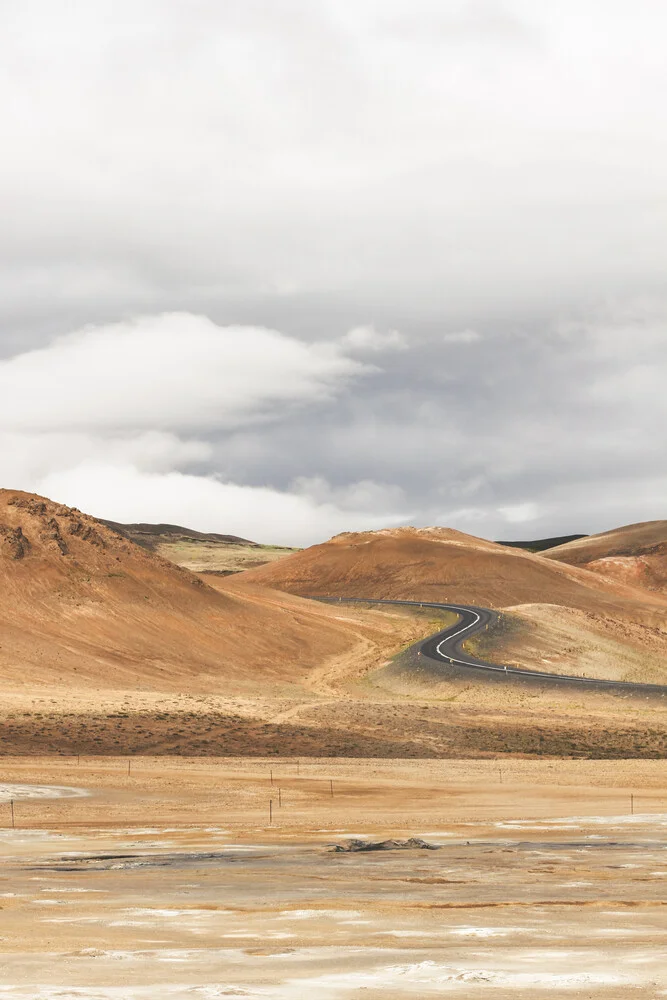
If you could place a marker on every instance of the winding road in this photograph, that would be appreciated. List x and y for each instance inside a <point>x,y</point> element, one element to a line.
<point>447,646</point>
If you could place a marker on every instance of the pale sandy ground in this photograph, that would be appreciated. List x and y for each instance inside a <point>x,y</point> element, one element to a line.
<point>571,641</point>
<point>170,882</point>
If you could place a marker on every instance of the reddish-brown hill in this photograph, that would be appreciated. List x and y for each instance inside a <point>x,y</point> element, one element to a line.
<point>439,564</point>
<point>80,604</point>
<point>635,554</point>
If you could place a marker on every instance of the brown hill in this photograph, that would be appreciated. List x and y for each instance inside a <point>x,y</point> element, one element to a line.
<point>439,564</point>
<point>81,605</point>
<point>635,554</point>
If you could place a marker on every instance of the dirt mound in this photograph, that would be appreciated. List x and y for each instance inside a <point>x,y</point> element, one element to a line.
<point>83,606</point>
<point>438,564</point>
<point>411,844</point>
<point>635,554</point>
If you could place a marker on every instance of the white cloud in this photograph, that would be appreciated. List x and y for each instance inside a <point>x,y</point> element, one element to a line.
<point>168,371</point>
<point>367,338</point>
<point>106,419</point>
<point>125,493</point>
<point>26,458</point>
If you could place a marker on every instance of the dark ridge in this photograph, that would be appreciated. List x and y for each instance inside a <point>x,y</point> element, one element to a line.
<point>541,544</point>
<point>148,535</point>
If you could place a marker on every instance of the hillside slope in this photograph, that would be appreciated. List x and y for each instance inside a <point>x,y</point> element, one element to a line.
<point>635,554</point>
<point>81,605</point>
<point>439,564</point>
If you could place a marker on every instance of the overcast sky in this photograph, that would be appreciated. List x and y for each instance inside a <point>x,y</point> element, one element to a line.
<point>283,268</point>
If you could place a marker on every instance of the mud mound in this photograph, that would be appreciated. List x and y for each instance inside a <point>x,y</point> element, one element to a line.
<point>438,564</point>
<point>83,605</point>
<point>411,844</point>
<point>635,554</point>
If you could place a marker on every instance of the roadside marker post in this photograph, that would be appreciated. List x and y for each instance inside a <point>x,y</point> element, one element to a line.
<point>11,803</point>
<point>280,798</point>
<point>632,805</point>
<point>331,787</point>
<point>270,812</point>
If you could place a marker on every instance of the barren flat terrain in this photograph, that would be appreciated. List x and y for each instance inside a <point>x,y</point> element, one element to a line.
<point>170,881</point>
<point>199,551</point>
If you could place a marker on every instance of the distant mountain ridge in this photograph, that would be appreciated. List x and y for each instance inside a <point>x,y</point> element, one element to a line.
<point>147,535</point>
<point>199,551</point>
<point>542,544</point>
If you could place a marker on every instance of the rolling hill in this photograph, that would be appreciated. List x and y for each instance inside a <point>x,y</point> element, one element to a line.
<point>108,648</point>
<point>635,554</point>
<point>439,564</point>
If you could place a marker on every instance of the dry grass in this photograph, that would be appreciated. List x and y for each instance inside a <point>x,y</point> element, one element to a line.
<point>223,559</point>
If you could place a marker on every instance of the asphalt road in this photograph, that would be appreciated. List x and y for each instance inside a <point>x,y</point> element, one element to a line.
<point>447,647</point>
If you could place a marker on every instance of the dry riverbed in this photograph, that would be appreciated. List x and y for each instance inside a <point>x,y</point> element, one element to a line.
<point>170,882</point>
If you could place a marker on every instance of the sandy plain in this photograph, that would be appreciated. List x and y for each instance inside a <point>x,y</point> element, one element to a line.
<point>169,880</point>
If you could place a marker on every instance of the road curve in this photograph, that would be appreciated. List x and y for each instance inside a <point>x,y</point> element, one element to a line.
<point>447,646</point>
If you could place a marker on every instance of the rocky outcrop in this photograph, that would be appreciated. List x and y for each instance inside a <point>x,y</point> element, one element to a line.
<point>51,523</point>
<point>85,532</point>
<point>51,535</point>
<point>13,543</point>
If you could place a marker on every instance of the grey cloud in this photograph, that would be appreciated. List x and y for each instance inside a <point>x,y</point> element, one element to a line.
<point>468,431</point>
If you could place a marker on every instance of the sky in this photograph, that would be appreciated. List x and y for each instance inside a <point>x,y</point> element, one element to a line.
<point>285,268</point>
